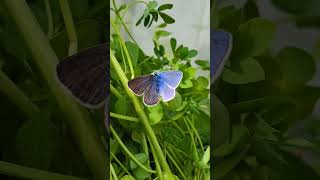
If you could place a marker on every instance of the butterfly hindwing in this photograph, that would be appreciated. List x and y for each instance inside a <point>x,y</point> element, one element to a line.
<point>221,44</point>
<point>139,84</point>
<point>166,92</point>
<point>151,95</point>
<point>86,75</point>
<point>171,78</point>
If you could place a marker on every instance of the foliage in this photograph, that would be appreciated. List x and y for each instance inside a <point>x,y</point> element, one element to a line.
<point>262,97</point>
<point>178,128</point>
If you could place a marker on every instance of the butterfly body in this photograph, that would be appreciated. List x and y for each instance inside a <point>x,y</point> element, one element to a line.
<point>155,86</point>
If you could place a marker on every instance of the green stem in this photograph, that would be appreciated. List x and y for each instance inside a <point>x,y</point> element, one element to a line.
<point>50,18</point>
<point>128,118</point>
<point>31,173</point>
<point>114,91</point>
<point>143,117</point>
<point>120,164</point>
<point>194,149</point>
<point>176,165</point>
<point>16,96</point>
<point>45,59</point>
<point>156,161</point>
<point>68,20</point>
<point>113,172</point>
<point>196,133</point>
<point>128,152</point>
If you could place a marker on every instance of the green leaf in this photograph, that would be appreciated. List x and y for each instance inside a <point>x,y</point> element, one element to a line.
<point>155,113</point>
<point>161,33</point>
<point>166,18</point>
<point>261,32</point>
<point>297,66</point>
<point>240,135</point>
<point>192,53</point>
<point>173,43</point>
<point>134,51</point>
<point>175,103</point>
<point>127,177</point>
<point>140,20</point>
<point>189,73</point>
<point>152,5</point>
<point>205,65</point>
<point>165,6</point>
<point>141,157</point>
<point>250,71</point>
<point>36,142</point>
<point>147,20</point>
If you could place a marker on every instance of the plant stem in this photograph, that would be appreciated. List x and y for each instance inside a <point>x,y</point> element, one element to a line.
<point>176,165</point>
<point>45,59</point>
<point>31,173</point>
<point>128,118</point>
<point>50,19</point>
<point>114,91</point>
<point>143,117</point>
<point>128,152</point>
<point>120,164</point>
<point>17,97</point>
<point>156,161</point>
<point>113,172</point>
<point>72,35</point>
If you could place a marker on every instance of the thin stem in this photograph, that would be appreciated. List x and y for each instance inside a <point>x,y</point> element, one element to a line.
<point>128,118</point>
<point>45,59</point>
<point>176,165</point>
<point>196,133</point>
<point>113,172</point>
<point>115,91</point>
<point>156,161</point>
<point>50,18</point>
<point>195,152</point>
<point>124,168</point>
<point>32,173</point>
<point>17,97</point>
<point>143,117</point>
<point>68,20</point>
<point>126,150</point>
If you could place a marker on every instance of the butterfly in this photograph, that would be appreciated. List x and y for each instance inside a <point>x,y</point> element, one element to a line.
<point>155,86</point>
<point>221,45</point>
<point>85,76</point>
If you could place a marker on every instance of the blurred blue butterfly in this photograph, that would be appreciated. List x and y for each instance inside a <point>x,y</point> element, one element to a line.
<point>156,85</point>
<point>221,45</point>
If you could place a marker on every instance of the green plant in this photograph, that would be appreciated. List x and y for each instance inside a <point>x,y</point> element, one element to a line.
<point>156,142</point>
<point>260,99</point>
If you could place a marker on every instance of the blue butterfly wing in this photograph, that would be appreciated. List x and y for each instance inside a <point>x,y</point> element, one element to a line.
<point>221,44</point>
<point>166,92</point>
<point>151,95</point>
<point>171,78</point>
<point>139,84</point>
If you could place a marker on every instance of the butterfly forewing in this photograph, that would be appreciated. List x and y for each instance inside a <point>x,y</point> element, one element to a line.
<point>86,75</point>
<point>151,95</point>
<point>139,84</point>
<point>171,78</point>
<point>221,44</point>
